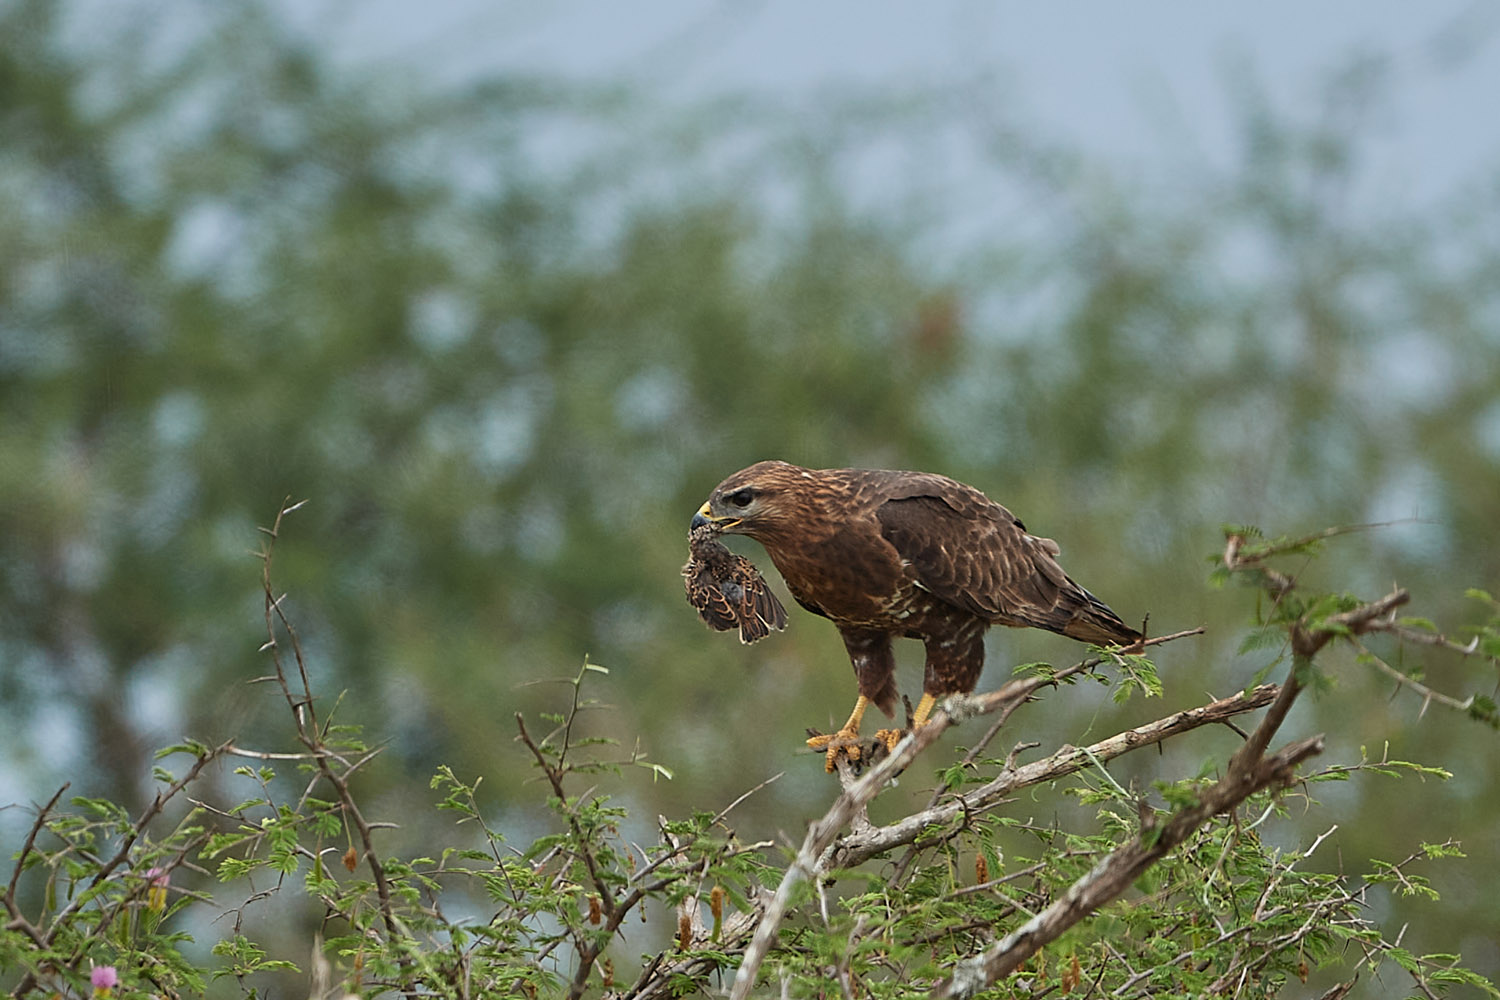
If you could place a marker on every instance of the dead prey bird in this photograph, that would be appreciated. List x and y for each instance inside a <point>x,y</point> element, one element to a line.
<point>728,590</point>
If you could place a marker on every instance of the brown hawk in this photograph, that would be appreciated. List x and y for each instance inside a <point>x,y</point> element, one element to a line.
<point>888,554</point>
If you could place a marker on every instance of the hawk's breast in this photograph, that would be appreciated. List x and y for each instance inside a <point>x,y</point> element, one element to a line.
<point>847,578</point>
<point>860,586</point>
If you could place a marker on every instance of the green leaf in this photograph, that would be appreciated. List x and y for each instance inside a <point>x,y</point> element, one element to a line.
<point>187,746</point>
<point>1483,708</point>
<point>1037,669</point>
<point>1262,638</point>
<point>235,868</point>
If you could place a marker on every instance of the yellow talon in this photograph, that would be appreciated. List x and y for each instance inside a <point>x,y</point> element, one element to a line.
<point>846,740</point>
<point>924,709</point>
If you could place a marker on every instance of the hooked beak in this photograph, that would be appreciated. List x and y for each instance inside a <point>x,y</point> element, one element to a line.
<point>706,516</point>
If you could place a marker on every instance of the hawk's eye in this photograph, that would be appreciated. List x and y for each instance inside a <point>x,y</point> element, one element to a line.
<point>741,498</point>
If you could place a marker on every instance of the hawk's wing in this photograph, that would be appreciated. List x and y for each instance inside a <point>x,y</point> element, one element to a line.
<point>969,551</point>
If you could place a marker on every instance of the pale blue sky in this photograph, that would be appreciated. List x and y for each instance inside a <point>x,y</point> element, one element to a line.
<point>1110,78</point>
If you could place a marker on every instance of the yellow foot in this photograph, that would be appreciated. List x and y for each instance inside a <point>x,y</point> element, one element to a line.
<point>858,750</point>
<point>924,709</point>
<point>846,742</point>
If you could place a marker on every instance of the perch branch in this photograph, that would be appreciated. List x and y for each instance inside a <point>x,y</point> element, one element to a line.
<point>1250,771</point>
<point>859,847</point>
<point>822,833</point>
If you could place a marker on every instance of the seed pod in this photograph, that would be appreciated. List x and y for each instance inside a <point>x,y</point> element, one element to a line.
<point>1072,975</point>
<point>716,907</point>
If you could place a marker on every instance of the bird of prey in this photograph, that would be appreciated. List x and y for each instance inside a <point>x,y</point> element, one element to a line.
<point>728,590</point>
<point>886,554</point>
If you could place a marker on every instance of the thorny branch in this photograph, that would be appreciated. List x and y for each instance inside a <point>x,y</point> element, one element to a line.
<point>1121,868</point>
<point>308,731</point>
<point>18,919</point>
<point>849,851</point>
<point>613,912</point>
<point>1250,770</point>
<point>822,833</point>
<point>670,867</point>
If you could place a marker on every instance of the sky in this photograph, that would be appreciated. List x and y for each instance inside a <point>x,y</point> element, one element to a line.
<point>1112,79</point>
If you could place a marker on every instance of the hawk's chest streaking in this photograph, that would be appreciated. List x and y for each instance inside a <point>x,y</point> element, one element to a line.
<point>856,578</point>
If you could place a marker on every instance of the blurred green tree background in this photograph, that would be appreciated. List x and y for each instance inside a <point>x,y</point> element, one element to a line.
<point>505,337</point>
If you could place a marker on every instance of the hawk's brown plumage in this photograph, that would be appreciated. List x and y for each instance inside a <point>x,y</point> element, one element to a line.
<point>728,590</point>
<point>906,554</point>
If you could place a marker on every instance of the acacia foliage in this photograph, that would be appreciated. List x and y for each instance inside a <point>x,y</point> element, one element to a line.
<point>1214,901</point>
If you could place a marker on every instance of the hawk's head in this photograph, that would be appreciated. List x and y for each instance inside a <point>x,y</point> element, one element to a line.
<point>763,501</point>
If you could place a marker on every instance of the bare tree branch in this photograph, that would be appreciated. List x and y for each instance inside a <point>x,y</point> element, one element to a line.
<point>1120,869</point>
<point>312,736</point>
<point>821,834</point>
<point>856,848</point>
<point>1250,771</point>
<point>18,919</point>
<point>1427,693</point>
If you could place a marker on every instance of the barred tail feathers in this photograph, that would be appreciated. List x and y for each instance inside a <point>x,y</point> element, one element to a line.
<point>1092,620</point>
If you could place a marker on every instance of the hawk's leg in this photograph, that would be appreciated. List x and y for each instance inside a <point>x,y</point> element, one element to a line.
<point>914,721</point>
<point>955,656</point>
<point>875,670</point>
<point>924,709</point>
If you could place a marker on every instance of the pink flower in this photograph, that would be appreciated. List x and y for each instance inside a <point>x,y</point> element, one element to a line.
<point>104,979</point>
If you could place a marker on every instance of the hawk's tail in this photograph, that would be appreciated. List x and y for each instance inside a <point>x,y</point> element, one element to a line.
<point>1088,619</point>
